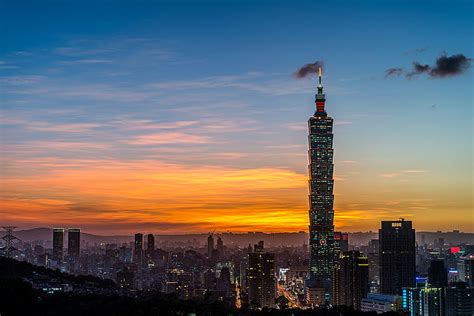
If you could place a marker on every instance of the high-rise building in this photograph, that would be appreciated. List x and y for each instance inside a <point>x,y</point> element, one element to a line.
<point>437,274</point>
<point>321,200</point>
<point>396,256</point>
<point>465,267</point>
<point>351,279</point>
<point>150,246</point>
<point>220,248</point>
<point>341,243</point>
<point>423,301</point>
<point>138,249</point>
<point>74,242</point>
<point>210,245</point>
<point>58,244</point>
<point>459,300</point>
<point>261,279</point>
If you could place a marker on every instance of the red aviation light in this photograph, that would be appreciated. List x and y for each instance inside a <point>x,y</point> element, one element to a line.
<point>455,250</point>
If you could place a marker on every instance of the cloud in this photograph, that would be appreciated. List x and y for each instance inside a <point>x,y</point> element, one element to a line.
<point>402,172</point>
<point>445,66</point>
<point>21,80</point>
<point>413,171</point>
<point>450,65</point>
<point>390,175</point>
<point>62,128</point>
<point>308,69</point>
<point>134,124</point>
<point>393,72</point>
<point>297,126</point>
<point>169,138</point>
<point>109,191</point>
<point>342,122</point>
<point>418,69</point>
<point>87,61</point>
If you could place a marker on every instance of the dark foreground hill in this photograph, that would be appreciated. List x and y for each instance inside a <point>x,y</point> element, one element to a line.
<point>19,295</point>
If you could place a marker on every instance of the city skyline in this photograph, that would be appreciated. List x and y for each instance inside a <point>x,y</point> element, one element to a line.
<point>158,121</point>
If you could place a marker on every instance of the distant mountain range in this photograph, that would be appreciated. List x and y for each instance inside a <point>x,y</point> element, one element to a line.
<point>242,239</point>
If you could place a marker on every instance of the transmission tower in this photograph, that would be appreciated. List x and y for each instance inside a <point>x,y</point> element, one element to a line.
<point>9,239</point>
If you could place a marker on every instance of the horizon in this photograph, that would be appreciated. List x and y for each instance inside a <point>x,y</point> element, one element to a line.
<point>148,117</point>
<point>19,229</point>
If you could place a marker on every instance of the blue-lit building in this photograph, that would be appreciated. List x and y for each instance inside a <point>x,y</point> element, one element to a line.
<point>422,301</point>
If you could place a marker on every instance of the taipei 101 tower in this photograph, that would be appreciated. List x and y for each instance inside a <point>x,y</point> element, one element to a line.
<point>321,200</point>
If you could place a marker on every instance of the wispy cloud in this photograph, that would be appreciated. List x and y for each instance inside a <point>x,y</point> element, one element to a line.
<point>297,126</point>
<point>87,61</point>
<point>62,128</point>
<point>169,138</point>
<point>140,124</point>
<point>402,172</point>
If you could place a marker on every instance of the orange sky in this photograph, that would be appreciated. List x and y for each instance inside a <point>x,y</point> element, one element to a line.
<point>113,196</point>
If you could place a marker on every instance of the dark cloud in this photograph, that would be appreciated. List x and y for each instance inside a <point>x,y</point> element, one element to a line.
<point>308,69</point>
<point>450,65</point>
<point>393,72</point>
<point>418,69</point>
<point>445,66</point>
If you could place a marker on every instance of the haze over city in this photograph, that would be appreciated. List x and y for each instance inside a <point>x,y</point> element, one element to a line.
<point>173,120</point>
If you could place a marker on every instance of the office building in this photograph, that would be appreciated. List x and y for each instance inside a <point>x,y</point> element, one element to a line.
<point>261,279</point>
<point>74,243</point>
<point>341,243</point>
<point>351,279</point>
<point>437,274</point>
<point>423,301</point>
<point>58,244</point>
<point>138,249</point>
<point>210,245</point>
<point>459,300</point>
<point>220,248</point>
<point>321,200</point>
<point>396,256</point>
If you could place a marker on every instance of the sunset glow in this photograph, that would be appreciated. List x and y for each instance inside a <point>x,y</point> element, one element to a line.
<point>118,126</point>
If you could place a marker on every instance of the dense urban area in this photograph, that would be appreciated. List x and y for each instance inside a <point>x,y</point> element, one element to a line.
<point>396,272</point>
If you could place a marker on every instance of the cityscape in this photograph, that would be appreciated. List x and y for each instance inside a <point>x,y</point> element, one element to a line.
<point>104,220</point>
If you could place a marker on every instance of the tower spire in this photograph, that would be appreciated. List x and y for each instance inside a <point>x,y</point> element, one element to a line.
<point>320,76</point>
<point>320,97</point>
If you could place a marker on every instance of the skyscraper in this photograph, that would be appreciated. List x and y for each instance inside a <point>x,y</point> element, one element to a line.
<point>210,245</point>
<point>138,249</point>
<point>396,256</point>
<point>58,244</point>
<point>437,274</point>
<point>341,243</point>
<point>74,242</point>
<point>351,279</point>
<point>150,246</point>
<point>321,199</point>
<point>261,278</point>
<point>220,248</point>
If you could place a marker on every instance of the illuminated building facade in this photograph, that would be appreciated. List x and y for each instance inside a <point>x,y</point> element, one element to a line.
<point>321,200</point>
<point>261,279</point>
<point>351,279</point>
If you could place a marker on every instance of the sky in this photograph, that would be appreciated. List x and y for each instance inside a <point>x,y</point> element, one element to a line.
<point>185,116</point>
